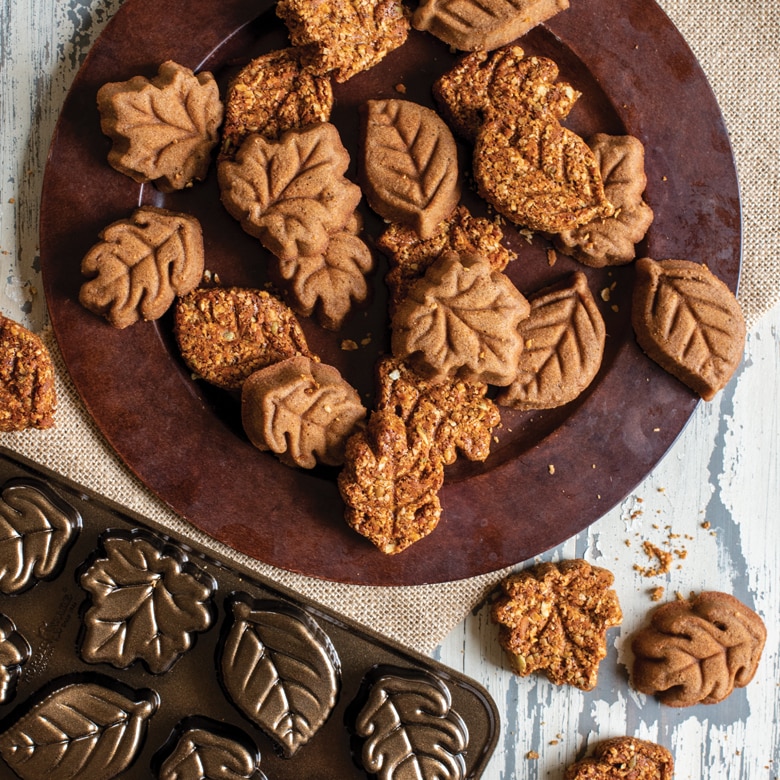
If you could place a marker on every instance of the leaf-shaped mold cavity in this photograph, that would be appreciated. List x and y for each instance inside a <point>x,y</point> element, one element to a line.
<point>147,603</point>
<point>563,340</point>
<point>409,164</point>
<point>205,753</point>
<point>14,653</point>
<point>281,670</point>
<point>689,322</point>
<point>408,727</point>
<point>37,528</point>
<point>83,731</point>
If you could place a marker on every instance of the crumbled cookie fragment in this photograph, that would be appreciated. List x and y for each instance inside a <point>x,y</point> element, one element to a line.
<point>274,93</point>
<point>554,618</point>
<point>163,129</point>
<point>28,398</point>
<point>624,758</point>
<point>302,410</point>
<point>468,417</point>
<point>227,333</point>
<point>345,37</point>
<point>461,321</point>
<point>410,256</point>
<point>391,479</point>
<point>697,650</point>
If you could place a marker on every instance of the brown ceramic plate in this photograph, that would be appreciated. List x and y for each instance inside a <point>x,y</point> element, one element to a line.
<point>184,439</point>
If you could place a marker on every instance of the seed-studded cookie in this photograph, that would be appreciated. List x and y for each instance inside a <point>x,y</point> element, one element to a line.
<point>689,322</point>
<point>697,650</point>
<point>163,129</point>
<point>302,410</point>
<point>480,26</point>
<point>141,264</point>
<point>611,240</point>
<point>28,398</point>
<point>409,164</point>
<point>554,617</point>
<point>391,479</point>
<point>461,321</point>
<point>621,758</point>
<point>468,417</point>
<point>345,37</point>
<point>227,333</point>
<point>563,345</point>
<point>274,93</point>
<point>410,256</point>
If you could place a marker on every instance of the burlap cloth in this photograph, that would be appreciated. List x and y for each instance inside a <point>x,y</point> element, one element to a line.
<point>737,44</point>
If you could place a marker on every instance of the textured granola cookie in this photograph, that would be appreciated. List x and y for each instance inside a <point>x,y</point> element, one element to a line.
<point>274,93</point>
<point>391,479</point>
<point>345,37</point>
<point>468,417</point>
<point>141,264</point>
<point>302,410</point>
<point>624,758</point>
<point>611,240</point>
<point>563,346</point>
<point>697,650</point>
<point>410,256</point>
<point>27,395</point>
<point>227,333</point>
<point>461,321</point>
<point>476,25</point>
<point>554,617</point>
<point>505,82</point>
<point>689,322</point>
<point>163,129</point>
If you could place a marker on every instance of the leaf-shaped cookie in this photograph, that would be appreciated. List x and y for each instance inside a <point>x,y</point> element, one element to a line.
<point>461,320</point>
<point>409,164</point>
<point>697,650</point>
<point>563,340</point>
<point>141,264</point>
<point>329,284</point>
<point>84,731</point>
<point>14,652</point>
<point>391,478</point>
<point>483,25</point>
<point>301,410</point>
<point>162,130</point>
<point>291,193</point>
<point>201,754</point>
<point>281,670</point>
<point>146,604</point>
<point>36,530</point>
<point>409,728</point>
<point>612,240</point>
<point>689,322</point>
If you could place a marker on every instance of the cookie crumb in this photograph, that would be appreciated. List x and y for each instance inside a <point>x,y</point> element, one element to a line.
<point>532,755</point>
<point>348,345</point>
<point>656,594</point>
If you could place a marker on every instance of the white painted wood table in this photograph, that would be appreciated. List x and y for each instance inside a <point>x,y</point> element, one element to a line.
<point>713,501</point>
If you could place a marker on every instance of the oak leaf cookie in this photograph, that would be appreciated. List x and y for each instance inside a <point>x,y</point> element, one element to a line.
<point>28,398</point>
<point>461,321</point>
<point>611,240</point>
<point>554,617</point>
<point>141,264</point>
<point>291,194</point>
<point>274,93</point>
<point>563,345</point>
<point>697,650</point>
<point>391,479</point>
<point>689,322</point>
<point>624,758</point>
<point>409,164</point>
<point>225,334</point>
<point>345,37</point>
<point>301,410</point>
<point>163,129</point>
